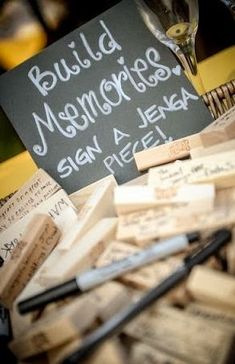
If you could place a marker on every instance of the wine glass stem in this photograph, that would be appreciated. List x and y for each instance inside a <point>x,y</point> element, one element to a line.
<point>187,57</point>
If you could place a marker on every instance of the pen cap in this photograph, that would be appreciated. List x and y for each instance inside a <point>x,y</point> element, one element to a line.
<point>193,236</point>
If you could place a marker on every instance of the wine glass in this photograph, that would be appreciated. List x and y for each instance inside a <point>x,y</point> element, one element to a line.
<point>174,23</point>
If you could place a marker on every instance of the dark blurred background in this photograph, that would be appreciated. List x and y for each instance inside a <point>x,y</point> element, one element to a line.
<point>27,26</point>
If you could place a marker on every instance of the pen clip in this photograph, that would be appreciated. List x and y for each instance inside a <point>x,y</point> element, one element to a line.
<point>193,253</point>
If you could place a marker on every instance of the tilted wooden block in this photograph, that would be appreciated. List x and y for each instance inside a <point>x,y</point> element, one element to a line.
<point>134,198</point>
<point>221,130</point>
<point>80,197</point>
<point>54,207</point>
<point>166,153</point>
<point>116,250</point>
<point>99,205</point>
<point>110,298</point>
<point>142,353</point>
<point>149,276</point>
<point>212,287</point>
<point>218,169</point>
<point>214,149</point>
<point>216,316</point>
<point>84,252</point>
<point>40,238</point>
<point>62,325</point>
<point>184,336</point>
<point>36,190</point>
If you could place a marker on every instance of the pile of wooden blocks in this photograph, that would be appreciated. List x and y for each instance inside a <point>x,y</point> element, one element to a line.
<point>47,237</point>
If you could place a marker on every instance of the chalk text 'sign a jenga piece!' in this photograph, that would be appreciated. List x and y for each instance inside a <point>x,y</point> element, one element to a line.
<point>166,153</point>
<point>214,149</point>
<point>179,334</point>
<point>134,198</point>
<point>53,207</point>
<point>36,190</point>
<point>62,325</point>
<point>99,205</point>
<point>212,287</point>
<point>218,169</point>
<point>221,130</point>
<point>84,252</point>
<point>35,245</point>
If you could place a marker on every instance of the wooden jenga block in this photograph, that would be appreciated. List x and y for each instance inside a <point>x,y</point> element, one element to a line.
<point>99,205</point>
<point>36,190</point>
<point>221,130</point>
<point>128,224</point>
<point>183,336</point>
<point>111,352</point>
<point>162,224</point>
<point>56,355</point>
<point>214,149</point>
<point>166,153</point>
<point>212,287</point>
<point>53,207</point>
<point>218,169</point>
<point>40,238</point>
<point>110,298</point>
<point>216,316</point>
<point>80,197</point>
<point>134,198</point>
<point>142,353</point>
<point>149,276</point>
<point>62,325</point>
<point>84,252</point>
<point>116,250</point>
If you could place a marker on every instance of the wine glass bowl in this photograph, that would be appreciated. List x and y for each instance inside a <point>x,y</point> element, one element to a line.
<point>174,23</point>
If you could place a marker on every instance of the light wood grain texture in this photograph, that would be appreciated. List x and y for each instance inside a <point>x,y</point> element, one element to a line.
<point>221,130</point>
<point>180,334</point>
<point>99,205</point>
<point>53,207</point>
<point>166,153</point>
<point>36,190</point>
<point>214,149</point>
<point>134,198</point>
<point>62,325</point>
<point>84,252</point>
<point>142,353</point>
<point>35,245</point>
<point>212,287</point>
<point>218,169</point>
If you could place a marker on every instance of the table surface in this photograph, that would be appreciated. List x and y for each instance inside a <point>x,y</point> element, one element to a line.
<point>214,71</point>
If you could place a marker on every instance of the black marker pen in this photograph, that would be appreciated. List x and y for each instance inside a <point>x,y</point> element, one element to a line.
<point>113,326</point>
<point>92,278</point>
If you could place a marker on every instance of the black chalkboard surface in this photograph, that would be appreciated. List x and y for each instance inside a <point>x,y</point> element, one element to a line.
<point>106,90</point>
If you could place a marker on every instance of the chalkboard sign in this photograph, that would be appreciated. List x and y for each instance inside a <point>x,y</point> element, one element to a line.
<point>106,90</point>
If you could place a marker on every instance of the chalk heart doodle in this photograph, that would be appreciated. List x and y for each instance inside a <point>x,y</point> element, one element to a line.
<point>71,44</point>
<point>121,60</point>
<point>177,70</point>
